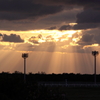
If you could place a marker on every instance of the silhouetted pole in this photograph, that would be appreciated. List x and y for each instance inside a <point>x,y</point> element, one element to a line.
<point>24,70</point>
<point>95,53</point>
<point>24,55</point>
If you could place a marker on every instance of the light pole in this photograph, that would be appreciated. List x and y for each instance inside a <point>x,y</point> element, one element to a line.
<point>24,55</point>
<point>95,53</point>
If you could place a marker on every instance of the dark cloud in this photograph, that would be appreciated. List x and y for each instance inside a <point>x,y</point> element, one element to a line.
<point>67,16</point>
<point>96,36</point>
<point>52,28</point>
<point>12,16</point>
<point>87,39</point>
<point>41,14</point>
<point>43,23</point>
<point>25,9</point>
<point>88,16</point>
<point>85,3</point>
<point>32,9</point>
<point>12,38</point>
<point>28,15</point>
<point>90,37</point>
<point>65,27</point>
<point>82,26</point>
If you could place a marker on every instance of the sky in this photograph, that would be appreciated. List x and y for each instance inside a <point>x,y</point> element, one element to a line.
<point>58,35</point>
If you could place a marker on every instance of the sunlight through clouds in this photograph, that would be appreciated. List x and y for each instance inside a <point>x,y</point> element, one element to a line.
<point>50,52</point>
<point>58,35</point>
<point>47,40</point>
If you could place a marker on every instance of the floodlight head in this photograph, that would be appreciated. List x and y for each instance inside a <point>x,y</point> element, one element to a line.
<point>24,55</point>
<point>95,53</point>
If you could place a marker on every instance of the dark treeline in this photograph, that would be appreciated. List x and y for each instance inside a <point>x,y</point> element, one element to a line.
<point>42,76</point>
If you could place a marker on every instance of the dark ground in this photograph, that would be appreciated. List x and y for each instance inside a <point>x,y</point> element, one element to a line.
<point>12,87</point>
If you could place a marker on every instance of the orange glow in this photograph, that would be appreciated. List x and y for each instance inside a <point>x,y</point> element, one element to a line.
<point>93,45</point>
<point>55,53</point>
<point>56,36</point>
<point>72,24</point>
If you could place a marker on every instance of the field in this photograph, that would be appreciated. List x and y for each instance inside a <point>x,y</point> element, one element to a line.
<point>71,93</point>
<point>82,93</point>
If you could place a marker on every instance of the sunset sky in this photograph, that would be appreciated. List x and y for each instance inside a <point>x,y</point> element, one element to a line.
<point>58,35</point>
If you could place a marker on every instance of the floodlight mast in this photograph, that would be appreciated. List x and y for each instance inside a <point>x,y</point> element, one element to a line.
<point>95,53</point>
<point>25,55</point>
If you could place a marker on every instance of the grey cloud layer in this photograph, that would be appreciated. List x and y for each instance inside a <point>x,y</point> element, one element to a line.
<point>69,2</point>
<point>87,19</point>
<point>41,14</point>
<point>24,9</point>
<point>88,16</point>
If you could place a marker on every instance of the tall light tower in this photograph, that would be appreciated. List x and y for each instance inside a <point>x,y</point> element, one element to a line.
<point>95,53</point>
<point>24,55</point>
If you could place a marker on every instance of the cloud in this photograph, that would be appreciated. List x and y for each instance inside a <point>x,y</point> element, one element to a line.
<point>29,15</point>
<point>39,36</point>
<point>89,18</point>
<point>90,37</point>
<point>41,14</point>
<point>66,16</point>
<point>65,27</point>
<point>48,44</point>
<point>85,3</point>
<point>23,47</point>
<point>33,39</point>
<point>60,47</point>
<point>27,9</point>
<point>87,39</point>
<point>83,26</point>
<point>1,34</point>
<point>52,28</point>
<point>11,38</point>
